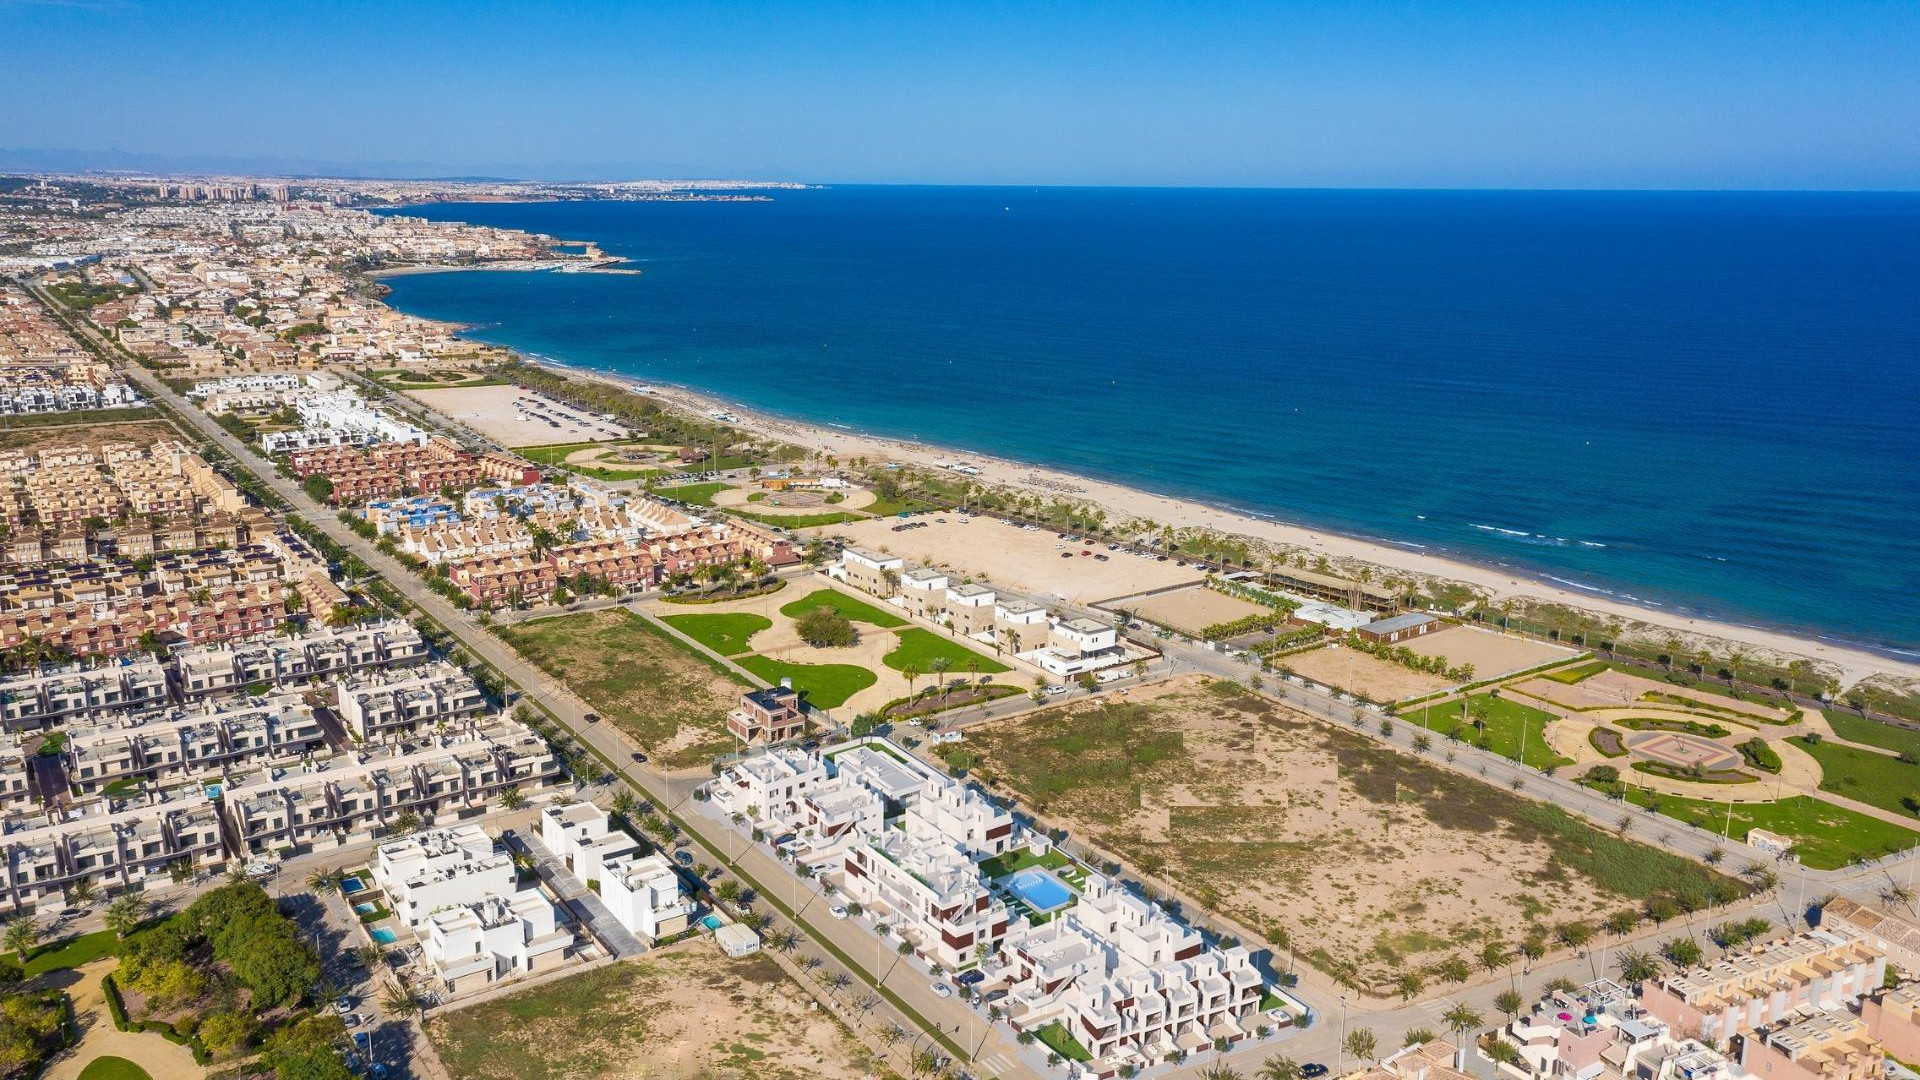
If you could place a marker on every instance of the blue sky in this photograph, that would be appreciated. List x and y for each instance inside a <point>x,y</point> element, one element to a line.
<point>1753,94</point>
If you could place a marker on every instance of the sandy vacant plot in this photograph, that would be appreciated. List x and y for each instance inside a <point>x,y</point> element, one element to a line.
<point>683,1012</point>
<point>670,700</point>
<point>1490,654</point>
<point>490,411</point>
<point>997,553</point>
<point>1193,610</point>
<point>1372,862</point>
<point>81,433</point>
<point>1357,673</point>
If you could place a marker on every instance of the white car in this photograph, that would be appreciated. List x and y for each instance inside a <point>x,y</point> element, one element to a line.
<point>838,911</point>
<point>941,989</point>
<point>1056,688</point>
<point>261,869</point>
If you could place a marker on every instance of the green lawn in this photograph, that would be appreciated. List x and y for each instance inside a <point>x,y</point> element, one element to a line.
<point>905,504</point>
<point>1506,722</point>
<point>71,952</point>
<point>693,494</point>
<point>798,521</point>
<point>1058,1039</point>
<point>921,647</point>
<point>1863,775</point>
<point>1019,859</point>
<point>724,634</point>
<point>1873,733</point>
<point>825,686</point>
<point>1828,836</point>
<point>855,610</point>
<point>1577,674</point>
<point>113,1068</point>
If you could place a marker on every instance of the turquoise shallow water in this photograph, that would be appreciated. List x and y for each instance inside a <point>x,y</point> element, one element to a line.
<point>1705,402</point>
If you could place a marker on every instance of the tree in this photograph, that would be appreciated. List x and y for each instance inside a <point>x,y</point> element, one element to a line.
<point>225,1032</point>
<point>1279,1067</point>
<point>1636,966</point>
<point>1681,952</point>
<point>1494,956</point>
<point>912,672</point>
<point>22,934</point>
<point>1361,1043</point>
<point>322,879</point>
<point>1503,1052</point>
<point>938,667</point>
<point>369,956</point>
<point>124,914</point>
<point>511,799</point>
<point>81,892</point>
<point>1455,970</point>
<point>1417,1036</point>
<point>1509,1002</point>
<point>824,628</point>
<point>1409,985</point>
<point>398,1001</point>
<point>1461,1019</point>
<point>1574,935</point>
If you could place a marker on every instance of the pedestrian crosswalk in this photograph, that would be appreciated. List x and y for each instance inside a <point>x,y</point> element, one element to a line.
<point>993,1065</point>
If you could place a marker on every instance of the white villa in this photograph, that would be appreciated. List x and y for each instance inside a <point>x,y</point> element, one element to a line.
<point>461,898</point>
<point>951,873</point>
<point>643,891</point>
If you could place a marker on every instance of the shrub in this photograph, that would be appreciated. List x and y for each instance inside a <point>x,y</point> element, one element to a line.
<point>823,627</point>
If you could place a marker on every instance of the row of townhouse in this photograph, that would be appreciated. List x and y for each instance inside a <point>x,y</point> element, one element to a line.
<point>134,539</point>
<point>640,887</point>
<point>95,580</point>
<point>458,892</point>
<point>384,704</point>
<point>1063,647</point>
<point>1756,988</point>
<point>114,627</point>
<point>388,469</point>
<point>635,564</point>
<point>16,789</point>
<point>318,652</point>
<point>42,858</point>
<point>340,802</point>
<point>1124,977</point>
<point>206,744</point>
<point>136,683</point>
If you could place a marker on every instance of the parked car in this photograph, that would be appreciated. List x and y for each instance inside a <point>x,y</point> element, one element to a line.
<point>838,911</point>
<point>1312,1069</point>
<point>343,1005</point>
<point>941,989</point>
<point>970,978</point>
<point>591,718</point>
<point>639,758</point>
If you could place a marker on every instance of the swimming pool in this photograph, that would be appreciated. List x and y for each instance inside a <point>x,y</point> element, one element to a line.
<point>1039,890</point>
<point>712,922</point>
<point>385,936</point>
<point>352,885</point>
<point>366,907</point>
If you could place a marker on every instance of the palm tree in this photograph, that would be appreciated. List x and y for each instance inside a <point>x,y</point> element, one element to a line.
<point>81,892</point>
<point>1637,967</point>
<point>398,1001</point>
<point>1509,1002</point>
<point>369,956</point>
<point>511,799</point>
<point>1462,1018</point>
<point>322,879</point>
<point>22,933</point>
<point>1279,1067</point>
<point>937,667</point>
<point>1361,1043</point>
<point>912,672</point>
<point>124,914</point>
<point>1219,1071</point>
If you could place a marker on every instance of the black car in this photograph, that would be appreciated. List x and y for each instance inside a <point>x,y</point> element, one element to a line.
<point>591,718</point>
<point>639,758</point>
<point>1312,1069</point>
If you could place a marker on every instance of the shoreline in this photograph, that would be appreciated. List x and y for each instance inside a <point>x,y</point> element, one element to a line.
<point>1851,661</point>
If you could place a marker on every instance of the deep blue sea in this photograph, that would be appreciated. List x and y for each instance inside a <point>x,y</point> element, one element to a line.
<point>1705,402</point>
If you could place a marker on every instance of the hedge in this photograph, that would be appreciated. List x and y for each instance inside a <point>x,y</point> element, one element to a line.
<point>117,1008</point>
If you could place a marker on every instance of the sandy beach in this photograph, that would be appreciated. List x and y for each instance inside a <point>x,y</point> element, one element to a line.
<point>1849,665</point>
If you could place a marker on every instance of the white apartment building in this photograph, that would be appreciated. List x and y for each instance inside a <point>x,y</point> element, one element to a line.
<point>646,895</point>
<point>209,742</point>
<point>1077,646</point>
<point>439,868</point>
<point>492,939</point>
<point>383,704</point>
<point>36,699</point>
<point>316,653</point>
<point>582,837</point>
<point>41,857</point>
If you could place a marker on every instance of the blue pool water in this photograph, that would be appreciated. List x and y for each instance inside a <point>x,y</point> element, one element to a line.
<point>385,936</point>
<point>1692,400</point>
<point>352,885</point>
<point>711,922</point>
<point>367,908</point>
<point>1039,890</point>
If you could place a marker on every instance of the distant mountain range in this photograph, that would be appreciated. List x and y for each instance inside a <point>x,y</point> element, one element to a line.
<point>74,161</point>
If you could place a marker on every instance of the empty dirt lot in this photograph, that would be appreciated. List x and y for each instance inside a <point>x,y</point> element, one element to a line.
<point>1372,862</point>
<point>1192,610</point>
<point>1490,654</point>
<point>994,552</point>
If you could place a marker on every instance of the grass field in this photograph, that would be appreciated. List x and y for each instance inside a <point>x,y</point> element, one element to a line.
<point>71,952</point>
<point>1828,836</point>
<point>1863,775</point>
<point>693,494</point>
<point>798,521</point>
<point>825,686</point>
<point>680,1014</point>
<point>113,1068</point>
<point>1578,673</point>
<point>1508,723</point>
<point>724,634</point>
<point>1867,732</point>
<point>921,647</point>
<point>855,610</point>
<point>668,697</point>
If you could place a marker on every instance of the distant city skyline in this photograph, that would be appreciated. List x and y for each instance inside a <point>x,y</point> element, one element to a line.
<point>1474,93</point>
